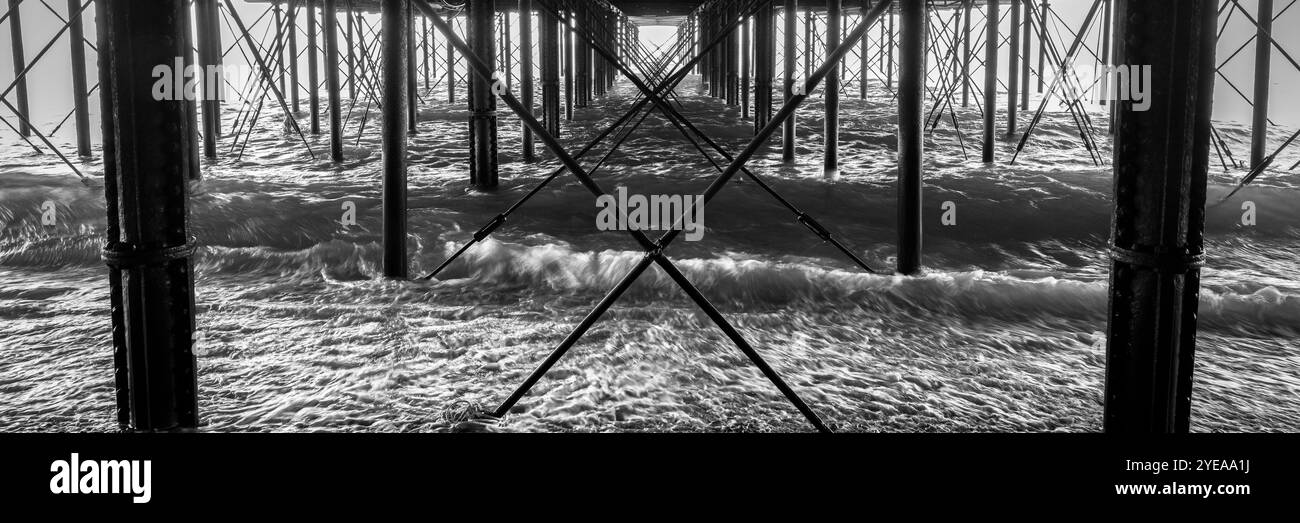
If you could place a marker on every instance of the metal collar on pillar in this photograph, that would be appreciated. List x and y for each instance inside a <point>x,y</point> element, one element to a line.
<point>149,244</point>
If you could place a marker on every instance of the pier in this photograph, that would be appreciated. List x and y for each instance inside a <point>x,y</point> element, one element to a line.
<point>548,63</point>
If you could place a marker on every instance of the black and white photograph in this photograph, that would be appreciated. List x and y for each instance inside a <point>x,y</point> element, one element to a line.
<point>943,229</point>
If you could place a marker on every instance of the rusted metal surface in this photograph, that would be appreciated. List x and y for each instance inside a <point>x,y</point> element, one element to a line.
<point>1161,163</point>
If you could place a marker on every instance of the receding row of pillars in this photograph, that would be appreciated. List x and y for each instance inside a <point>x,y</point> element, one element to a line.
<point>722,65</point>
<point>727,76</point>
<point>588,75</point>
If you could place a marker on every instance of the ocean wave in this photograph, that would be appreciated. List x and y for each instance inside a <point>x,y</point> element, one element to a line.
<point>734,278</point>
<point>744,281</point>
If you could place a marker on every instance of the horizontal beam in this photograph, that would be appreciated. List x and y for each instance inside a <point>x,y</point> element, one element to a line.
<point>658,12</point>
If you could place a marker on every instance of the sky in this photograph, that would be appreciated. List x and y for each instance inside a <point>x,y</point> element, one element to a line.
<point>51,92</point>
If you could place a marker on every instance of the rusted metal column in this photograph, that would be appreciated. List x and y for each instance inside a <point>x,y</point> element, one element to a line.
<point>744,68</point>
<point>1263,61</point>
<point>720,57</point>
<point>20,63</point>
<point>81,111</point>
<point>412,81</point>
<point>990,79</point>
<point>313,66</point>
<point>893,37</point>
<point>764,64</point>
<point>507,53</point>
<point>966,53</point>
<point>607,30</point>
<point>296,86</point>
<point>431,56</point>
<point>332,84</point>
<point>187,98</point>
<point>1013,68</point>
<point>697,34</point>
<point>569,82</point>
<point>424,53</point>
<point>482,101</point>
<point>1161,167</point>
<point>550,43</point>
<point>954,66</point>
<point>881,43</point>
<point>808,23</point>
<point>1042,44</point>
<point>624,26</point>
<point>611,41</point>
<point>864,64</point>
<point>351,41</point>
<point>706,65</point>
<point>913,18</point>
<point>732,59</point>
<point>788,129</point>
<point>526,71</point>
<point>209,50</point>
<point>720,54</point>
<point>580,55</point>
<point>280,68</point>
<point>1107,22</point>
<point>395,40</point>
<point>711,60</point>
<point>618,42</point>
<point>831,131</point>
<point>589,88</point>
<point>583,59</point>
<point>451,72</point>
<point>598,21</point>
<point>149,245</point>
<point>1026,38</point>
<point>108,126</point>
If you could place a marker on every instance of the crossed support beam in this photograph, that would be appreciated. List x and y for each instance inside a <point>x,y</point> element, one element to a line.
<point>22,67</point>
<point>1264,37</point>
<point>654,249</point>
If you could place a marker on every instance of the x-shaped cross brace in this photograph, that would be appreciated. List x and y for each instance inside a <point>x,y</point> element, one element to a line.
<point>654,250</point>
<point>679,121</point>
